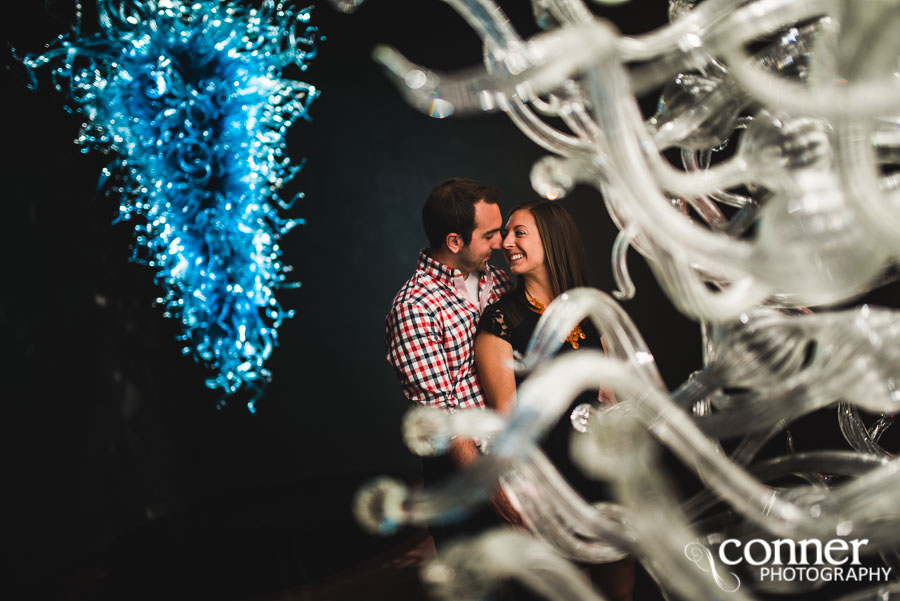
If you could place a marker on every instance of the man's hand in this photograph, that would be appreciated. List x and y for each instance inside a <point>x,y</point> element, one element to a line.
<point>463,452</point>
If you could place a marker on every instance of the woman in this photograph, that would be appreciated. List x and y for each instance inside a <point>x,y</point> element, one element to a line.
<point>543,247</point>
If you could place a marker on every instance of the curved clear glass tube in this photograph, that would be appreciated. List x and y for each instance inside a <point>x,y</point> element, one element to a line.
<point>560,516</point>
<point>884,592</point>
<point>621,274</point>
<point>473,568</point>
<point>555,511</point>
<point>868,98</point>
<point>620,448</point>
<point>843,463</point>
<point>860,437</point>
<point>792,516</point>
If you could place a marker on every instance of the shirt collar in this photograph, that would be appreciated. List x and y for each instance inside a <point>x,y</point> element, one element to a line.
<point>452,278</point>
<point>436,269</point>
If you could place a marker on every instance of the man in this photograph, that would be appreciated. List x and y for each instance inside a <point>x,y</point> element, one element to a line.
<point>431,326</point>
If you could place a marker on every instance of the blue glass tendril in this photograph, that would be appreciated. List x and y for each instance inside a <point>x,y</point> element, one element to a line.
<point>189,96</point>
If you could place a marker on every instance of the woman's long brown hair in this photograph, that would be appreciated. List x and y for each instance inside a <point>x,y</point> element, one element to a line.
<point>563,248</point>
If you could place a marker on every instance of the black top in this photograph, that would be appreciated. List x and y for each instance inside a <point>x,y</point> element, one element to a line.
<point>514,319</point>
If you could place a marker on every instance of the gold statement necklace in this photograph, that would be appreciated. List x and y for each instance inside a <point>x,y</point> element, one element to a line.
<point>577,335</point>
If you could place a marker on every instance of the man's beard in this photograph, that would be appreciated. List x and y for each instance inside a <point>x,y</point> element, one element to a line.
<point>471,262</point>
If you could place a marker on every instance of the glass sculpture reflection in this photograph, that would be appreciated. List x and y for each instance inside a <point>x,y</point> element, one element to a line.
<point>803,213</point>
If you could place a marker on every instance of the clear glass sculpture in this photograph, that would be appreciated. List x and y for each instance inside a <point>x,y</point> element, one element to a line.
<point>756,246</point>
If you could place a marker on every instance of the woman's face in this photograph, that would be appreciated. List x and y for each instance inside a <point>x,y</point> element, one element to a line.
<point>522,246</point>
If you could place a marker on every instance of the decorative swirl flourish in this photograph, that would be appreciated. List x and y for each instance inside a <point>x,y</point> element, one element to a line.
<point>702,557</point>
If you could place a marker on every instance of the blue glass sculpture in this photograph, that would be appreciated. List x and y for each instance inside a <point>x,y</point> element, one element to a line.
<point>190,99</point>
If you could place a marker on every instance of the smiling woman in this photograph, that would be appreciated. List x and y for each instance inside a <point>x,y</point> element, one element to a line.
<point>522,246</point>
<point>543,247</point>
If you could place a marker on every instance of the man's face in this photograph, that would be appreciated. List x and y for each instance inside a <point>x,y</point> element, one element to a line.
<point>485,238</point>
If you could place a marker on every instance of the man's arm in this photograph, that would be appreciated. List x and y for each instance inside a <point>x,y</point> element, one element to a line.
<point>415,349</point>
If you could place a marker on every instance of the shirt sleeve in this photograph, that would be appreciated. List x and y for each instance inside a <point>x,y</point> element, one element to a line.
<point>414,340</point>
<point>493,321</point>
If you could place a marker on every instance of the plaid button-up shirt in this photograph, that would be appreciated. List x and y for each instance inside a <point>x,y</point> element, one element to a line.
<point>430,332</point>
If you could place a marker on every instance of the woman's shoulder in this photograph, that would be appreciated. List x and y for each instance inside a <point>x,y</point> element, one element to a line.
<point>502,305</point>
<point>508,318</point>
<point>495,319</point>
<point>511,306</point>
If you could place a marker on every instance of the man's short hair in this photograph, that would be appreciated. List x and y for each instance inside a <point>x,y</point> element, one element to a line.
<point>450,208</point>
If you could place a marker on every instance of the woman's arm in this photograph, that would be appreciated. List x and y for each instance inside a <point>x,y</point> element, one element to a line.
<point>493,358</point>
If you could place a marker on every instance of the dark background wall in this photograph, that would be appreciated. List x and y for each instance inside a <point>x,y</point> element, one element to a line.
<point>115,448</point>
